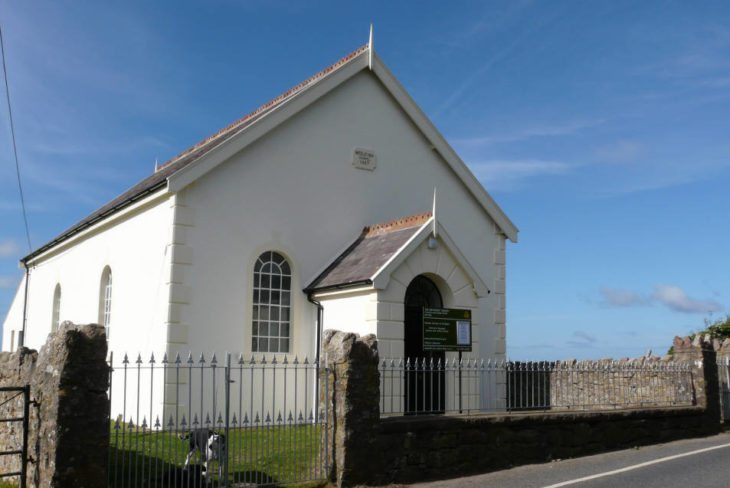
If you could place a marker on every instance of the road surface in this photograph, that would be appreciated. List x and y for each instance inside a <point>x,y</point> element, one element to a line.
<point>691,463</point>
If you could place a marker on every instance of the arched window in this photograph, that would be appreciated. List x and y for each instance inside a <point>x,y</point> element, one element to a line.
<point>271,304</point>
<point>56,315</point>
<point>105,299</point>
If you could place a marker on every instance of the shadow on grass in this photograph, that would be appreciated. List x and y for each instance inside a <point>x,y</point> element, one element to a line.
<point>273,457</point>
<point>130,469</point>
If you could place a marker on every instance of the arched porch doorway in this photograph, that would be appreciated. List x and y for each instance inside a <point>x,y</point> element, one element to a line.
<point>425,385</point>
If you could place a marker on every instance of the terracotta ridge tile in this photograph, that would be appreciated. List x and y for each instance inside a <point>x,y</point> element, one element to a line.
<point>397,224</point>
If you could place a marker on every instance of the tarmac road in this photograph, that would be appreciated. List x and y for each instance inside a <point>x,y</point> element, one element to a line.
<point>692,463</point>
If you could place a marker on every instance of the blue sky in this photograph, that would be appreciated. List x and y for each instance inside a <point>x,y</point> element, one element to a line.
<point>601,128</point>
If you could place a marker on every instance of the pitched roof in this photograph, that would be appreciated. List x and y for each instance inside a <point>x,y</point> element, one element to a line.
<point>375,246</point>
<point>159,179</point>
<point>175,168</point>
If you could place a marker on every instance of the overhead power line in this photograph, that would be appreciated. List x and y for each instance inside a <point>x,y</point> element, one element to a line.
<point>15,147</point>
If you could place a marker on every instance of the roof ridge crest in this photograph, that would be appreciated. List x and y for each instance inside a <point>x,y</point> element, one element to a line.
<point>397,224</point>
<point>266,106</point>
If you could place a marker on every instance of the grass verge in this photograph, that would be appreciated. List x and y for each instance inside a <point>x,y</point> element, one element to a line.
<point>276,456</point>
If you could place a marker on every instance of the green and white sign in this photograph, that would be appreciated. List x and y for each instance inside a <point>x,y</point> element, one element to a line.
<point>446,329</point>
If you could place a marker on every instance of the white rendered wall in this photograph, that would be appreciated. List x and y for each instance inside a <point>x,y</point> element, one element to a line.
<point>350,311</point>
<point>14,320</point>
<point>295,191</point>
<point>456,290</point>
<point>478,391</point>
<point>134,246</point>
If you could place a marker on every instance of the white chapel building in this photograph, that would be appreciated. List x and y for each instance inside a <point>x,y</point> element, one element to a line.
<point>315,211</point>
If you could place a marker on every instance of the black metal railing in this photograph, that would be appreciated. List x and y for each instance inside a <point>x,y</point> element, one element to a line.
<point>196,422</point>
<point>468,386</point>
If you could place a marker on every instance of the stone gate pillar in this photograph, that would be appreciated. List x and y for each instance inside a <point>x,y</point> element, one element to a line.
<point>351,387</point>
<point>701,355</point>
<point>68,432</point>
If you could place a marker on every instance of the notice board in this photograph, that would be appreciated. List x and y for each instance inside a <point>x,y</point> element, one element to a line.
<point>446,329</point>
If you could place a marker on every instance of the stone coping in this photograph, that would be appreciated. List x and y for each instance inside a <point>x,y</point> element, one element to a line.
<point>430,422</point>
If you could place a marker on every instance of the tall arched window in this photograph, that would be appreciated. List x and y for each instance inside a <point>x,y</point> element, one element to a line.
<point>105,299</point>
<point>56,315</point>
<point>271,304</point>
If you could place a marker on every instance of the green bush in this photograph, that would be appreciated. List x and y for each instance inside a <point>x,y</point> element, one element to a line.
<point>719,329</point>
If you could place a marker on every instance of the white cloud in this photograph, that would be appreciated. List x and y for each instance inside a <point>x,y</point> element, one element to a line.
<point>542,130</point>
<point>702,53</point>
<point>470,79</point>
<point>719,82</point>
<point>74,99</point>
<point>652,181</point>
<point>676,299</point>
<point>14,206</point>
<point>9,248</point>
<point>490,23</point>
<point>584,336</point>
<point>503,174</point>
<point>582,340</point>
<point>672,297</point>
<point>8,282</point>
<point>616,297</point>
<point>623,151</point>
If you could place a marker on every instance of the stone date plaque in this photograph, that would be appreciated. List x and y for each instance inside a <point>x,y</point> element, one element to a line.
<point>364,159</point>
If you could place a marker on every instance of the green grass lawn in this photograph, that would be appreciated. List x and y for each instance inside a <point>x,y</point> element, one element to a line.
<point>277,455</point>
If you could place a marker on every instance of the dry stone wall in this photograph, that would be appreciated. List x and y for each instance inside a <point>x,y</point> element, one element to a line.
<point>68,429</point>
<point>627,383</point>
<point>439,447</point>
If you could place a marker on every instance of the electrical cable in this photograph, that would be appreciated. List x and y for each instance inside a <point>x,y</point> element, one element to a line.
<point>15,147</point>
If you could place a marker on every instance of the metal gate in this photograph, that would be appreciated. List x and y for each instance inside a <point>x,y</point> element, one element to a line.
<point>15,396</point>
<point>192,421</point>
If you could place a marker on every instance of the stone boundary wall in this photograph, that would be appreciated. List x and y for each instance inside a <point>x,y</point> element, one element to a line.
<point>431,448</point>
<point>627,383</point>
<point>368,450</point>
<point>68,437</point>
